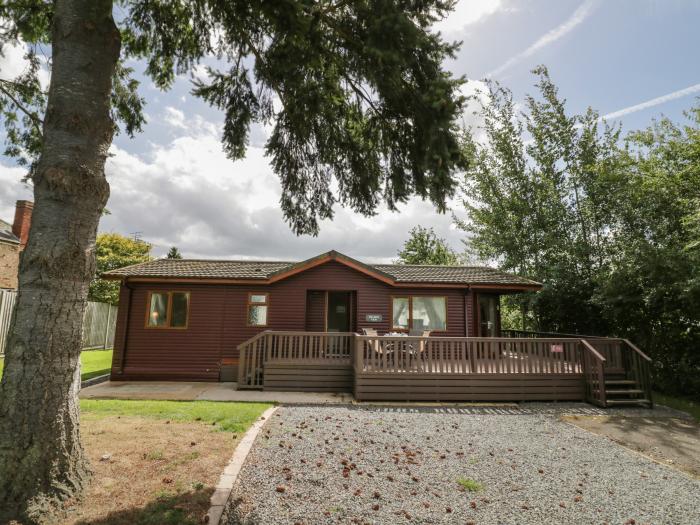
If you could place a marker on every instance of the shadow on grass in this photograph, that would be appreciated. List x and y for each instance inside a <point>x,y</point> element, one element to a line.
<point>188,508</point>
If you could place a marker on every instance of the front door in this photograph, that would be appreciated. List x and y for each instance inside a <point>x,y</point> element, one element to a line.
<point>488,315</point>
<point>339,312</point>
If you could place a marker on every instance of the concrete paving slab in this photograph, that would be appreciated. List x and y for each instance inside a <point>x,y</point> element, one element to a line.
<point>202,391</point>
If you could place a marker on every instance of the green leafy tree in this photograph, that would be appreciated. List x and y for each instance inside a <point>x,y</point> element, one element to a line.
<point>425,247</point>
<point>366,114</point>
<point>608,225</point>
<point>114,251</point>
<point>535,207</point>
<point>174,253</point>
<point>652,289</point>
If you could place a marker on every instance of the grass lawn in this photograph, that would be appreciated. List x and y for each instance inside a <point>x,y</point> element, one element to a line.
<point>226,416</point>
<point>155,462</point>
<point>94,363</point>
<point>679,403</point>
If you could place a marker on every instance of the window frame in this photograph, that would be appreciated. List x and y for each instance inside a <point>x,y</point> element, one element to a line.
<point>250,303</point>
<point>410,311</point>
<point>168,310</point>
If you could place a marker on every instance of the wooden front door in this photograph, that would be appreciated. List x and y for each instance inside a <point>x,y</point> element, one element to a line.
<point>339,316</point>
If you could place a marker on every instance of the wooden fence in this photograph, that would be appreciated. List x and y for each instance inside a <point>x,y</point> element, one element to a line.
<point>99,325</point>
<point>99,322</point>
<point>7,306</point>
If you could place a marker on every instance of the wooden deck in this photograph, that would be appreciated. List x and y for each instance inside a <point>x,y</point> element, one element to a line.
<point>447,368</point>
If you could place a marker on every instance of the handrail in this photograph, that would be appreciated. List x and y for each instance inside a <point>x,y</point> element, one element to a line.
<point>595,352</point>
<point>247,363</point>
<point>253,339</point>
<point>594,378</point>
<point>639,365</point>
<point>301,332</point>
<point>633,347</point>
<point>472,339</point>
<point>557,334</point>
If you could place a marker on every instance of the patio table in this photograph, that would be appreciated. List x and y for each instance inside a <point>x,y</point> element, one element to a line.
<point>408,348</point>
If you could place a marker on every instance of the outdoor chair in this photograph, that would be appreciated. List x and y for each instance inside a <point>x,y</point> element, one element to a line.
<point>369,331</point>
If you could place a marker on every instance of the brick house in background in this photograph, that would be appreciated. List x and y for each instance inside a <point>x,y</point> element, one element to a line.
<point>13,239</point>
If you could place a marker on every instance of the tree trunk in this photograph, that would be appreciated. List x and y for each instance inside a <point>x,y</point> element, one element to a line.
<point>41,457</point>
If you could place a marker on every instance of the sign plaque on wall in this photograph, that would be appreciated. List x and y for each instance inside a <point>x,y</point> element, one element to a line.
<point>373,318</point>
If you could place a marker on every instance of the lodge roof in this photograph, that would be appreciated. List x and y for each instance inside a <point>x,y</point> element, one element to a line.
<point>272,271</point>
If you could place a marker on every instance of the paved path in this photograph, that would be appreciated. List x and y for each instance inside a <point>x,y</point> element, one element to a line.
<point>315,465</point>
<point>203,391</point>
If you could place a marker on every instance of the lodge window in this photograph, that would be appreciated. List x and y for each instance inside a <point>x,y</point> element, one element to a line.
<point>168,310</point>
<point>419,312</point>
<point>257,309</point>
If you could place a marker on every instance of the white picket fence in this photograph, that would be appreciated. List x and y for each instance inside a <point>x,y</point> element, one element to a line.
<point>99,322</point>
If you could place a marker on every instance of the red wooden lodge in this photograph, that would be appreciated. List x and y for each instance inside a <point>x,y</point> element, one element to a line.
<point>381,331</point>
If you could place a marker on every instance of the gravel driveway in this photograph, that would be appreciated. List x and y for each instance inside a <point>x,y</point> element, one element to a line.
<point>314,465</point>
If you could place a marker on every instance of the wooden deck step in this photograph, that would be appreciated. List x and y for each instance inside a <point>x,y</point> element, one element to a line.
<point>617,402</point>
<point>615,394</point>
<point>624,391</point>
<point>620,382</point>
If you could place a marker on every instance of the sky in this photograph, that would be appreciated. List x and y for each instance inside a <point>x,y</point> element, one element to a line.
<point>632,60</point>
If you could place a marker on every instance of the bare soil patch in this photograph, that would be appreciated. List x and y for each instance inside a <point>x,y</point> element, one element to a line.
<point>674,442</point>
<point>149,471</point>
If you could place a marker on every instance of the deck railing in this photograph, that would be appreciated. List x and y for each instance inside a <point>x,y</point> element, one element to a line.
<point>638,365</point>
<point>592,359</point>
<point>473,355</point>
<point>534,334</point>
<point>290,347</point>
<point>607,356</point>
<point>593,374</point>
<point>250,362</point>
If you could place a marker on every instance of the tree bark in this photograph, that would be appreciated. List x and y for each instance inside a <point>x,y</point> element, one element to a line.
<point>41,458</point>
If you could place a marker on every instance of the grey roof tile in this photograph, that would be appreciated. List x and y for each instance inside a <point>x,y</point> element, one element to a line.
<point>450,274</point>
<point>202,268</point>
<point>262,270</point>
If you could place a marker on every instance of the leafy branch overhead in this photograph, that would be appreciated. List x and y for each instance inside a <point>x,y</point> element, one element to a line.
<point>363,111</point>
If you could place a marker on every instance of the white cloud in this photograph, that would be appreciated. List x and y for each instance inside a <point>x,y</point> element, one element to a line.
<point>653,102</point>
<point>12,62</point>
<point>186,193</point>
<point>174,117</point>
<point>12,189</point>
<point>472,117</point>
<point>467,12</point>
<point>199,72</point>
<point>577,17</point>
